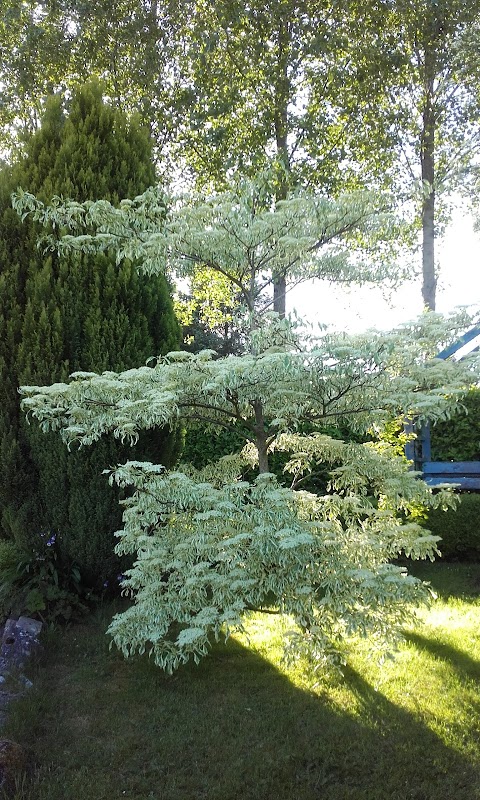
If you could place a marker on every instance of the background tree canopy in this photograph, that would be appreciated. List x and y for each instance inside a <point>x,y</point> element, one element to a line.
<point>340,93</point>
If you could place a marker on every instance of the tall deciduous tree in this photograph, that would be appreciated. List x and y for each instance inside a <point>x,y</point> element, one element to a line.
<point>64,314</point>
<point>209,545</point>
<point>448,110</point>
<point>35,58</point>
<point>377,92</point>
<point>425,130</point>
<point>56,45</point>
<point>264,82</point>
<point>229,85</point>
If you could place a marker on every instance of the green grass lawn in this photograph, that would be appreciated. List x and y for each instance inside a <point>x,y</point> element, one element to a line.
<point>243,726</point>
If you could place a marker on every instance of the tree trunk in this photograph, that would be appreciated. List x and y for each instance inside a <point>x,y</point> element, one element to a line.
<point>429,284</point>
<point>427,159</point>
<point>279,294</point>
<point>282,96</point>
<point>261,438</point>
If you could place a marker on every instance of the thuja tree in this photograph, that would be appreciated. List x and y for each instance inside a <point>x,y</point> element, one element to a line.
<point>209,545</point>
<point>68,312</point>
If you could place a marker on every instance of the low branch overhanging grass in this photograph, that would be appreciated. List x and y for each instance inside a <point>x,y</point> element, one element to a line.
<point>243,725</point>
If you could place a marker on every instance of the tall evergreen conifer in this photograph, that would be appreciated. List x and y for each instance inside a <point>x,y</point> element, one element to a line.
<point>77,312</point>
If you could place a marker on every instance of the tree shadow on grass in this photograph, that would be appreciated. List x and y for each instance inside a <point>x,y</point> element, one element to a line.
<point>411,760</point>
<point>234,728</point>
<point>460,661</point>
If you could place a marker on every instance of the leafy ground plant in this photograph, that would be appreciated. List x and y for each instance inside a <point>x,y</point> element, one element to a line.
<point>40,583</point>
<point>243,726</point>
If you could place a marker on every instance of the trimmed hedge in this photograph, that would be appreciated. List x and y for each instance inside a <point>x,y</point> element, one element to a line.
<point>59,315</point>
<point>460,529</point>
<point>458,439</point>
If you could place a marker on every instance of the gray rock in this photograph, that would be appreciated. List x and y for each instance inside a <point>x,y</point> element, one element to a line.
<point>19,641</point>
<point>29,627</point>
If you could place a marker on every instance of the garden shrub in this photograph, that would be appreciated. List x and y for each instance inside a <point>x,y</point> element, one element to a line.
<point>459,529</point>
<point>204,447</point>
<point>209,547</point>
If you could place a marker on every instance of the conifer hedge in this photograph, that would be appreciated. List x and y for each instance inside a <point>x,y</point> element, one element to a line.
<point>458,439</point>
<point>77,312</point>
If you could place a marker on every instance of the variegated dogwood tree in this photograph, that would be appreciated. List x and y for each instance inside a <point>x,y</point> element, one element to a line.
<point>209,544</point>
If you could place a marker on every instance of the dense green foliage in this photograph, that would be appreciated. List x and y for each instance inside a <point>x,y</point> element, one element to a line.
<point>459,530</point>
<point>203,446</point>
<point>62,314</point>
<point>459,438</point>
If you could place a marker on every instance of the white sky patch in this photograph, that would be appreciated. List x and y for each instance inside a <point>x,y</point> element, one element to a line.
<point>466,349</point>
<point>358,309</point>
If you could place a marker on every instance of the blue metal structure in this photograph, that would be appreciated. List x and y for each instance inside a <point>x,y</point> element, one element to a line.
<point>465,474</point>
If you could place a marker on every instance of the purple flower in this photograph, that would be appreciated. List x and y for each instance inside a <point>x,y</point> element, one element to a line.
<point>52,539</point>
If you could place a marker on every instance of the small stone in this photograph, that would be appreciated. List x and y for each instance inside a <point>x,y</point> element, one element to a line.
<point>30,627</point>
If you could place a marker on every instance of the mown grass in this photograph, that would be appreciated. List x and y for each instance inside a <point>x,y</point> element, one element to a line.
<point>241,726</point>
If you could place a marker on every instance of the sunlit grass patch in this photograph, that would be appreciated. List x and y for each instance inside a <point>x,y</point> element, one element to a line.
<point>434,675</point>
<point>245,726</point>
